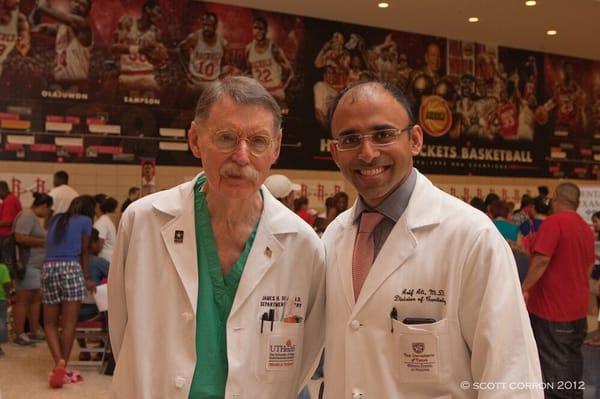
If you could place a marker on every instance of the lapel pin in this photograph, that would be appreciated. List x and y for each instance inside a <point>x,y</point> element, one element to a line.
<point>268,252</point>
<point>178,236</point>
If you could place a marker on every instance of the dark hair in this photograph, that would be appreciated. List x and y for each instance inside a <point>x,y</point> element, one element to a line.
<point>261,20</point>
<point>100,198</point>
<point>212,15</point>
<point>477,203</point>
<point>543,190</point>
<point>3,185</point>
<point>526,201</point>
<point>109,205</point>
<point>340,194</point>
<point>299,203</point>
<point>491,197</point>
<point>596,215</point>
<point>541,205</point>
<point>150,4</point>
<point>40,199</point>
<point>61,177</point>
<point>133,190</point>
<point>240,89</point>
<point>389,87</point>
<point>82,205</point>
<point>499,208</point>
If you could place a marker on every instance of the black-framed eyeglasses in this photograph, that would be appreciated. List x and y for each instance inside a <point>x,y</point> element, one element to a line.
<point>228,141</point>
<point>379,138</point>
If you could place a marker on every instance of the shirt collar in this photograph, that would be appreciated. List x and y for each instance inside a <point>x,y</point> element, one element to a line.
<point>395,204</point>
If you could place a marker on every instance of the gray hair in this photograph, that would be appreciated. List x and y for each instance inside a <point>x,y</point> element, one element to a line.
<point>242,90</point>
<point>568,193</point>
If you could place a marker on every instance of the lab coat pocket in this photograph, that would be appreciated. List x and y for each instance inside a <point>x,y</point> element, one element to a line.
<point>421,351</point>
<point>279,351</point>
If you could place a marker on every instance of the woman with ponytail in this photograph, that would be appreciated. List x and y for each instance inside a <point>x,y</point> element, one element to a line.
<point>64,281</point>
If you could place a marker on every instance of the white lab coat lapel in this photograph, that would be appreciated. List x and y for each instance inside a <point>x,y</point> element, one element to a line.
<point>344,252</point>
<point>264,253</point>
<point>183,254</point>
<point>423,210</point>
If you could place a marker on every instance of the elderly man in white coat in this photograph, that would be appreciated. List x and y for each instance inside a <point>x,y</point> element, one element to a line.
<point>216,290</point>
<point>438,313</point>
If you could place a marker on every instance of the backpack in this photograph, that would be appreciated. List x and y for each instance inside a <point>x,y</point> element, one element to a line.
<point>9,255</point>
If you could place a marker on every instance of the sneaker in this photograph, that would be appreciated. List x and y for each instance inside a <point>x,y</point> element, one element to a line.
<point>24,340</point>
<point>38,336</point>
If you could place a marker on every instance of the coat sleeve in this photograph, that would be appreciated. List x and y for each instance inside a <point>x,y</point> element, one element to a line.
<point>494,321</point>
<point>117,303</point>
<point>314,325</point>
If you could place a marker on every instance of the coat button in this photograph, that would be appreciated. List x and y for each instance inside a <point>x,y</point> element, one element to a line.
<point>187,316</point>
<point>355,324</point>
<point>179,382</point>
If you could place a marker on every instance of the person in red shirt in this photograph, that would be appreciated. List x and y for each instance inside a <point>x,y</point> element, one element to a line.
<point>9,209</point>
<point>301,209</point>
<point>556,291</point>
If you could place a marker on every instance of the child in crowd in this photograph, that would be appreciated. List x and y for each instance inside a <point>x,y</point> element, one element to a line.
<point>5,287</point>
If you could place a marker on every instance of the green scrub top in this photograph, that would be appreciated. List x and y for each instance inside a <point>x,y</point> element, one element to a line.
<point>215,298</point>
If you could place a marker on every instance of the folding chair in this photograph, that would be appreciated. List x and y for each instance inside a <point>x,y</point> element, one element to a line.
<point>94,329</point>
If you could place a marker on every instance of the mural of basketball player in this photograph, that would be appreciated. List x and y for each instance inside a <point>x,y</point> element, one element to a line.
<point>324,91</point>
<point>267,63</point>
<point>206,49</point>
<point>138,43</point>
<point>74,40</point>
<point>331,51</point>
<point>433,61</point>
<point>386,60</point>
<point>570,102</point>
<point>14,30</point>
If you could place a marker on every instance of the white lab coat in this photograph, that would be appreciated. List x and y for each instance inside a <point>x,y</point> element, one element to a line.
<point>470,288</point>
<point>153,291</point>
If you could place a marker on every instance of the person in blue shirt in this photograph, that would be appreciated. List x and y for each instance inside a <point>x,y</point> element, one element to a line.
<point>64,278</point>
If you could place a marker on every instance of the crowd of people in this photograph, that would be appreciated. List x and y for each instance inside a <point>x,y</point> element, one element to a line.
<point>216,287</point>
<point>62,244</point>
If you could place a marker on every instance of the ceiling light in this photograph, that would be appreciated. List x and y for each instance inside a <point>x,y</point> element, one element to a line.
<point>530,3</point>
<point>552,32</point>
<point>473,19</point>
<point>383,4</point>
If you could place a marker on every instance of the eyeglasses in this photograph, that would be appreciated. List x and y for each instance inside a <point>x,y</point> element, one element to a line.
<point>379,138</point>
<point>227,141</point>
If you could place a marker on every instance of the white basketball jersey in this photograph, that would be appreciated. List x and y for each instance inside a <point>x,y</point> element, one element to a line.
<point>72,58</point>
<point>137,63</point>
<point>8,37</point>
<point>205,60</point>
<point>265,68</point>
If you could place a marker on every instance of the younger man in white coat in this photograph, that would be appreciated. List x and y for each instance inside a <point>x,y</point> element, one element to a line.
<point>439,311</point>
<point>216,290</point>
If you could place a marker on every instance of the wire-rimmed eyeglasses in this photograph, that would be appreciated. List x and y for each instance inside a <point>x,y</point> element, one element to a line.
<point>228,141</point>
<point>379,138</point>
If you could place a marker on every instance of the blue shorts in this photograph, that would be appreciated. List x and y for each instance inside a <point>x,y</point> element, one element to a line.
<point>62,281</point>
